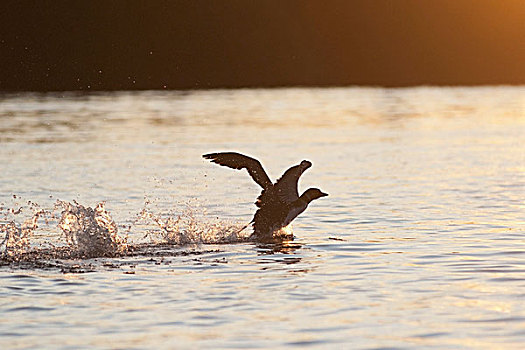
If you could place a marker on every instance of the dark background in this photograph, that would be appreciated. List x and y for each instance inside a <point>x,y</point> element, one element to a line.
<point>121,45</point>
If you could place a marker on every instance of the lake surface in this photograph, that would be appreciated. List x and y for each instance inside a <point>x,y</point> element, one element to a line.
<point>420,244</point>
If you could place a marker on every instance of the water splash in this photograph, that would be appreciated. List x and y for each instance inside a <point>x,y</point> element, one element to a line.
<point>276,235</point>
<point>90,232</point>
<point>87,233</point>
<point>191,226</point>
<point>18,236</point>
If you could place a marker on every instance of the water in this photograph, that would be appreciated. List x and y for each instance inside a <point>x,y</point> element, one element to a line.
<point>421,243</point>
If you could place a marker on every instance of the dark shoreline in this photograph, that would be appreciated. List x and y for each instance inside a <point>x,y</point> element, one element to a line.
<point>81,92</point>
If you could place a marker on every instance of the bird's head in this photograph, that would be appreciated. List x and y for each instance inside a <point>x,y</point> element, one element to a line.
<point>313,193</point>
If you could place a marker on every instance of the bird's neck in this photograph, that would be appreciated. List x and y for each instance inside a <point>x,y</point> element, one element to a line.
<point>305,197</point>
<point>302,201</point>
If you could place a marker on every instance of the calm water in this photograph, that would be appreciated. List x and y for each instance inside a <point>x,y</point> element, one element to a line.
<point>421,243</point>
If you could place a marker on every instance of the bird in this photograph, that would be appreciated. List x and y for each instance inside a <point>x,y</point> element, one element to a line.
<point>279,203</point>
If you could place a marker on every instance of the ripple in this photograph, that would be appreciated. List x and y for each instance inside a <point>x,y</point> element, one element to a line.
<point>496,320</point>
<point>30,308</point>
<point>307,343</point>
<point>432,335</point>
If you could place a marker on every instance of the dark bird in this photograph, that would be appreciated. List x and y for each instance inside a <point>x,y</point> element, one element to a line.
<point>279,203</point>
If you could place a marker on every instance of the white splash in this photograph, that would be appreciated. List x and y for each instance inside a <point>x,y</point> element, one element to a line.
<point>90,232</point>
<point>17,237</point>
<point>192,226</point>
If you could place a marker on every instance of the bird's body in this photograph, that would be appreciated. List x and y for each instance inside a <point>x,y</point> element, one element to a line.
<point>279,204</point>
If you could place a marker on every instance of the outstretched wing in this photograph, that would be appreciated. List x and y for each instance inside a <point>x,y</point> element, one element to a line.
<point>239,161</point>
<point>286,186</point>
<point>285,189</point>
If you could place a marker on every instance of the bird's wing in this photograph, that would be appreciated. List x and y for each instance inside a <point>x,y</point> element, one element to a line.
<point>286,186</point>
<point>239,161</point>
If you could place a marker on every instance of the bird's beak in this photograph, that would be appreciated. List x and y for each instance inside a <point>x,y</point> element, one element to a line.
<point>324,194</point>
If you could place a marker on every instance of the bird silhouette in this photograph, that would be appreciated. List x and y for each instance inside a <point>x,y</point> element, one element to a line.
<point>279,203</point>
